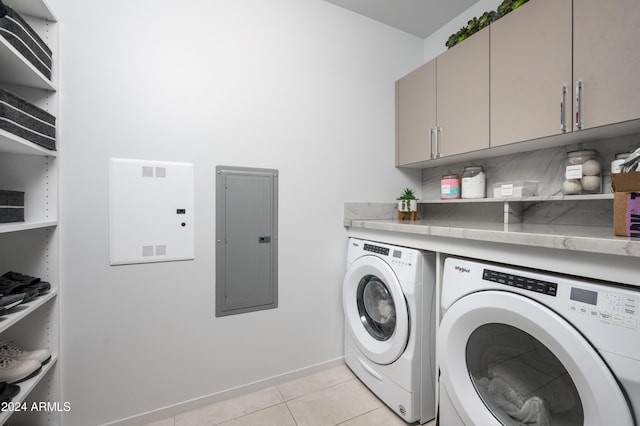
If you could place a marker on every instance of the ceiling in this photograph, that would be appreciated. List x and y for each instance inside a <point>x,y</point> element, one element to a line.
<point>418,17</point>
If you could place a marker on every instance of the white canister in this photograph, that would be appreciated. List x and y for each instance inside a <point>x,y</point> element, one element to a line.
<point>473,182</point>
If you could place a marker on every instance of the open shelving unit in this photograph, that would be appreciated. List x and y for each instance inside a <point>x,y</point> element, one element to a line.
<point>535,199</point>
<point>32,247</point>
<point>512,211</point>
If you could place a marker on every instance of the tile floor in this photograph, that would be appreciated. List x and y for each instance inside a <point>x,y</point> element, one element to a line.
<point>327,398</point>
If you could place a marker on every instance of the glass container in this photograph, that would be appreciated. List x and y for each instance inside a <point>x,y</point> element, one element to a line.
<point>473,182</point>
<point>582,173</point>
<point>450,187</point>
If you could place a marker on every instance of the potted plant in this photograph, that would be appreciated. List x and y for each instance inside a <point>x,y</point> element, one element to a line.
<point>407,201</point>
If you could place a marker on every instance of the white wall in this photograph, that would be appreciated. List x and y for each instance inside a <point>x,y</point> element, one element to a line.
<point>298,85</point>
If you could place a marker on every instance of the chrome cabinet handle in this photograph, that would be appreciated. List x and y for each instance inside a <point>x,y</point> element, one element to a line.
<point>438,129</point>
<point>431,149</point>
<point>563,97</point>
<point>578,105</point>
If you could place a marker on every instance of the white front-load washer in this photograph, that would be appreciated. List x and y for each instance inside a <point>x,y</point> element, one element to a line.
<point>388,300</point>
<point>524,347</point>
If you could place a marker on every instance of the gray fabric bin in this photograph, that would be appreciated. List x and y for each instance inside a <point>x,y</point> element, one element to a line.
<point>11,206</point>
<point>25,40</point>
<point>27,121</point>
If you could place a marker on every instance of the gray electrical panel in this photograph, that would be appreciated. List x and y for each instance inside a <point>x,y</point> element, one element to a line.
<point>246,240</point>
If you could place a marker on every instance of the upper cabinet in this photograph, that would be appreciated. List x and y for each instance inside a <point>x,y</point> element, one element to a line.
<point>549,68</point>
<point>442,108</point>
<point>531,72</point>
<point>606,60</point>
<point>463,97</point>
<point>416,115</point>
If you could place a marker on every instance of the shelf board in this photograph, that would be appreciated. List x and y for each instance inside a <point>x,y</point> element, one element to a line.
<point>536,199</point>
<point>21,311</point>
<point>17,70</point>
<point>591,197</point>
<point>25,226</point>
<point>37,8</point>
<point>12,144</point>
<point>27,387</point>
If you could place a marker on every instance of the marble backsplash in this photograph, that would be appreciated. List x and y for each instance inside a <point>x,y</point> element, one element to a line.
<point>544,166</point>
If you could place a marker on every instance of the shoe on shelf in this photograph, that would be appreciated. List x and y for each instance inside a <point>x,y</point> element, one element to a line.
<point>31,282</point>
<point>8,286</point>
<point>9,350</point>
<point>16,370</point>
<point>8,391</point>
<point>8,301</point>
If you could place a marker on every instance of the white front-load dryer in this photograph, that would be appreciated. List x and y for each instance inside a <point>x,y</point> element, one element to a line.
<point>524,347</point>
<point>388,300</point>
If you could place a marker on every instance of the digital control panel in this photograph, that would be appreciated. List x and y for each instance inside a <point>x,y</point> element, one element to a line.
<point>525,283</point>
<point>396,257</point>
<point>610,307</point>
<point>376,249</point>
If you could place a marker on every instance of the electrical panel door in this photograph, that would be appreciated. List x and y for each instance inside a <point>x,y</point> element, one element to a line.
<point>246,239</point>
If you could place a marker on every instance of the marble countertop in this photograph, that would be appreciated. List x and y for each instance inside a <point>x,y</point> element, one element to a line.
<point>593,239</point>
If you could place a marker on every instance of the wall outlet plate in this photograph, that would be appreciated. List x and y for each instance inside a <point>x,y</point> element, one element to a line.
<point>150,211</point>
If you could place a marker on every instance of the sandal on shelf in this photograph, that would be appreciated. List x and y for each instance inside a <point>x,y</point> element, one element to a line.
<point>28,280</point>
<point>8,391</point>
<point>8,286</point>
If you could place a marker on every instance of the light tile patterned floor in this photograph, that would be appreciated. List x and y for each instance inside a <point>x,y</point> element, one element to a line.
<point>328,398</point>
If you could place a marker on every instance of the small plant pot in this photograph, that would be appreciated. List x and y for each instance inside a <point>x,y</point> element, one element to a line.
<point>407,205</point>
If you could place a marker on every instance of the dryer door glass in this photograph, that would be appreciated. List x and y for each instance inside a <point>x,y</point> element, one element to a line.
<point>519,379</point>
<point>376,307</point>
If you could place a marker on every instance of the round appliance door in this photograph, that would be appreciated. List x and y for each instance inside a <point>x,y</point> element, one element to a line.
<point>375,309</point>
<point>507,360</point>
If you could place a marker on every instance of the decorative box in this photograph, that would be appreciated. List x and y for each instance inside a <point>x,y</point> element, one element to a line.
<point>25,40</point>
<point>23,119</point>
<point>11,206</point>
<point>522,188</point>
<point>626,204</point>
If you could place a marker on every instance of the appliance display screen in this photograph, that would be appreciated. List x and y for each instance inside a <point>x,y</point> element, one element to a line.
<point>584,296</point>
<point>397,254</point>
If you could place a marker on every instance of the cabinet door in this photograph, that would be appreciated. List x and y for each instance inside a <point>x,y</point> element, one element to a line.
<point>531,54</point>
<point>607,60</point>
<point>415,114</point>
<point>463,96</point>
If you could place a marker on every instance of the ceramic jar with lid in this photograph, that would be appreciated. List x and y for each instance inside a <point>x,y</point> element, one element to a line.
<point>450,187</point>
<point>473,182</point>
<point>582,173</point>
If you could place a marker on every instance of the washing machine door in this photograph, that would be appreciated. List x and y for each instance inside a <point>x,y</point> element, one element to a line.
<point>376,312</point>
<point>506,359</point>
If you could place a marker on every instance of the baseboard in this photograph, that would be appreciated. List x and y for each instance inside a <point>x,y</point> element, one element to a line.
<point>175,409</point>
